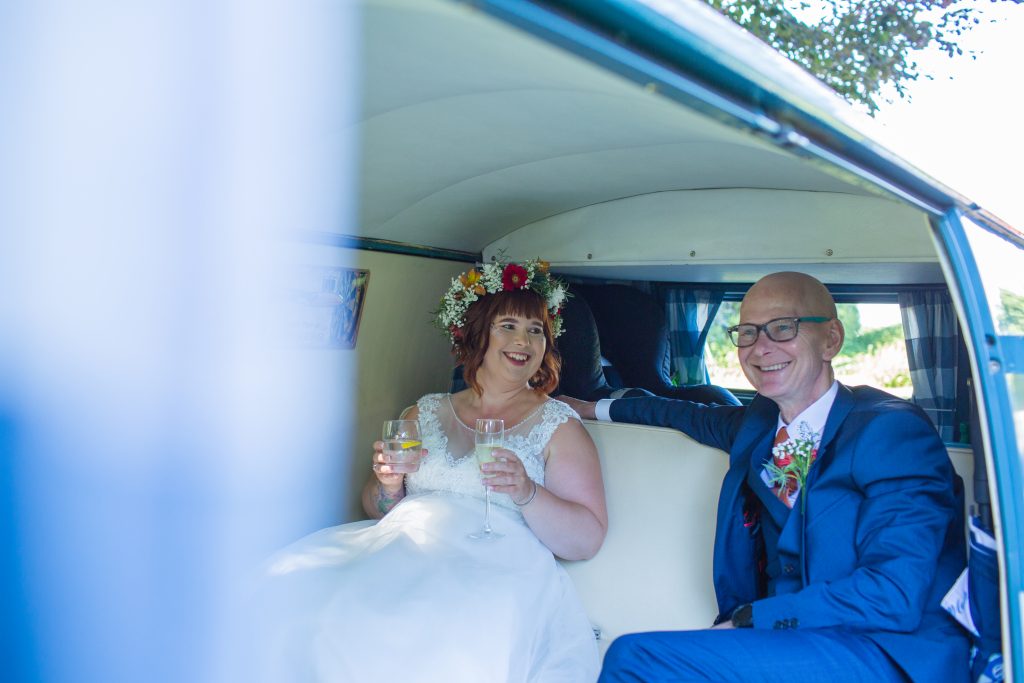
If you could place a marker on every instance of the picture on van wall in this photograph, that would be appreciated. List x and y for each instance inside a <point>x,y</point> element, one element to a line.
<point>328,303</point>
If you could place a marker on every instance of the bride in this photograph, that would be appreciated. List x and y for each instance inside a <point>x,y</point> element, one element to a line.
<point>411,597</point>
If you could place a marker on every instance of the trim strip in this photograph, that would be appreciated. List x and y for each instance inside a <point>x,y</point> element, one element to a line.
<point>334,239</point>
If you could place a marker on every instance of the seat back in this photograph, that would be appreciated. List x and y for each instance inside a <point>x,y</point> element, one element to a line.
<point>582,374</point>
<point>654,570</point>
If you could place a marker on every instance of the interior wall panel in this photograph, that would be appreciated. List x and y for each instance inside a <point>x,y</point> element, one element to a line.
<point>399,354</point>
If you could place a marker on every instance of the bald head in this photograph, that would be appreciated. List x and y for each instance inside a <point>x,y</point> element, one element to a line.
<point>804,293</point>
<point>793,372</point>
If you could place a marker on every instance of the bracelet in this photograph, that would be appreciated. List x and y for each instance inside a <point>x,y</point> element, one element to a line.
<point>528,500</point>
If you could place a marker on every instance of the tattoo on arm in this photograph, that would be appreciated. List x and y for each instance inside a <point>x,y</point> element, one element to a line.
<point>386,501</point>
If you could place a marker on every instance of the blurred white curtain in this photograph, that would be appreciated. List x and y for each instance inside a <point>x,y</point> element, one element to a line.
<point>157,434</point>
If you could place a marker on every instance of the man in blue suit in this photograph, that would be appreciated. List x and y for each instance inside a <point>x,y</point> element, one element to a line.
<point>827,572</point>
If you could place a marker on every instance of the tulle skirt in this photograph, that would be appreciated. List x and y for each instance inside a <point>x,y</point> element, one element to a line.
<point>412,598</point>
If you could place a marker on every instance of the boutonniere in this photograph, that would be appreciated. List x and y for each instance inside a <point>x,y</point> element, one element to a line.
<point>792,460</point>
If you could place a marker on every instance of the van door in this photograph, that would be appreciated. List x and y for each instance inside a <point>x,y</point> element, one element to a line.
<point>985,269</point>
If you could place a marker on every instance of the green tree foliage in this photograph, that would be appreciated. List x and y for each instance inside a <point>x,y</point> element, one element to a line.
<point>857,46</point>
<point>717,344</point>
<point>1011,317</point>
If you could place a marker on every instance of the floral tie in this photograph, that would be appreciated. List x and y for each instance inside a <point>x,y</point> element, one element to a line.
<point>783,492</point>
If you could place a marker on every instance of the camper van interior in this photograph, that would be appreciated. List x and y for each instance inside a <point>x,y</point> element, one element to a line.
<point>661,165</point>
<point>227,228</point>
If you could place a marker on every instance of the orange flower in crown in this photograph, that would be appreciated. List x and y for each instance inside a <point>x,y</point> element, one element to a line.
<point>471,282</point>
<point>498,276</point>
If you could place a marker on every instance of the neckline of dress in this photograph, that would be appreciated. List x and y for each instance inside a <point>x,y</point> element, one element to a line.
<point>507,429</point>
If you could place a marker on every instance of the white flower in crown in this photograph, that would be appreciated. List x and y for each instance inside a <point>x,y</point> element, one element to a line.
<point>499,276</point>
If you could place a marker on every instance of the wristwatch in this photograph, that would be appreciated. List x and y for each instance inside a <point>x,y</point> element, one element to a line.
<point>743,616</point>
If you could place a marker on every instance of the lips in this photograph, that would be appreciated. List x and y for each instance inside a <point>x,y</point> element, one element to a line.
<point>775,367</point>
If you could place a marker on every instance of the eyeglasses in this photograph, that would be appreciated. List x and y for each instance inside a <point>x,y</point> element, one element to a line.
<point>778,330</point>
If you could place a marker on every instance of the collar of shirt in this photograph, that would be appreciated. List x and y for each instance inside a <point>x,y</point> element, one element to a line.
<point>812,420</point>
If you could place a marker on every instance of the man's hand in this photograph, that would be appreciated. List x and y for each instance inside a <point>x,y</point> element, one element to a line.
<point>584,408</point>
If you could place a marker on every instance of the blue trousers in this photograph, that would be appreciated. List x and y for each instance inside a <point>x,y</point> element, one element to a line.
<point>746,656</point>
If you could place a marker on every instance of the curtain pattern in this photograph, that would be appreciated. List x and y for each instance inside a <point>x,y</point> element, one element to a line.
<point>930,328</point>
<point>690,313</point>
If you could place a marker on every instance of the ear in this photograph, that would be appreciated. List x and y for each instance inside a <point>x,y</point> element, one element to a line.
<point>834,339</point>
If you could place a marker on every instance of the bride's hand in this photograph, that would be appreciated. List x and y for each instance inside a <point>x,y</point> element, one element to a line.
<point>388,479</point>
<point>508,475</point>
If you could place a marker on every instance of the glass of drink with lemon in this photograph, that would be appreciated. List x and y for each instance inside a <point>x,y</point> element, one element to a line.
<point>402,445</point>
<point>490,434</point>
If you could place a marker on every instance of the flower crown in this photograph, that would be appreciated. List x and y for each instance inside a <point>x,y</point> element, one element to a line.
<point>499,276</point>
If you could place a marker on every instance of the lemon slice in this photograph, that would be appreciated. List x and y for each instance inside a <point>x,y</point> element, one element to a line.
<point>411,444</point>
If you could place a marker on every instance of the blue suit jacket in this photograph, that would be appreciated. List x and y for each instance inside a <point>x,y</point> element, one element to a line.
<point>879,538</point>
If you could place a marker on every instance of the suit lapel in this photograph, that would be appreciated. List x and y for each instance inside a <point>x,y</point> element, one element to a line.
<point>755,437</point>
<point>841,407</point>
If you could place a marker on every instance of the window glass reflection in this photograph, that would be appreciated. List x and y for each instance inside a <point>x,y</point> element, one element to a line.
<point>1001,268</point>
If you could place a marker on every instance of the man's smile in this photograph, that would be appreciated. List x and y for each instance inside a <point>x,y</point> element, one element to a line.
<point>774,367</point>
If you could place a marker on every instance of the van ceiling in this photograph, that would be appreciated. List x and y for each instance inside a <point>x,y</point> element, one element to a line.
<point>474,133</point>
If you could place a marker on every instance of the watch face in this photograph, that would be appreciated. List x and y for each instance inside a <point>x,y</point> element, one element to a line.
<point>743,617</point>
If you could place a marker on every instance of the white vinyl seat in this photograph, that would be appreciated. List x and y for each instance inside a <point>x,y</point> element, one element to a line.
<point>654,570</point>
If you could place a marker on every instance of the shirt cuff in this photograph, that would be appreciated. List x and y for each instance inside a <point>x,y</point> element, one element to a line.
<point>602,411</point>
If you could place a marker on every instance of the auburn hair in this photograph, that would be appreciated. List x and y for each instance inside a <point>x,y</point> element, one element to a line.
<point>476,334</point>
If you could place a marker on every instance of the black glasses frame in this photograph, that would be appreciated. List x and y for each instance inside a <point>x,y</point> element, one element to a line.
<point>758,329</point>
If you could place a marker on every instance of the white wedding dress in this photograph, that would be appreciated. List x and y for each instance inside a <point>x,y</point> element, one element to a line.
<point>411,598</point>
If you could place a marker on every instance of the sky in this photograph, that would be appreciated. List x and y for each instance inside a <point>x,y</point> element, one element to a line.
<point>963,127</point>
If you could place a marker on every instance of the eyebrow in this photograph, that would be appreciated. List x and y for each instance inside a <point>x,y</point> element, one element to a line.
<point>512,319</point>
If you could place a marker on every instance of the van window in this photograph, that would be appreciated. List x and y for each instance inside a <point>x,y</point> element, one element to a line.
<point>874,352</point>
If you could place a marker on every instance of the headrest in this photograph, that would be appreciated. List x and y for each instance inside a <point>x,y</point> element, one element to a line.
<point>582,374</point>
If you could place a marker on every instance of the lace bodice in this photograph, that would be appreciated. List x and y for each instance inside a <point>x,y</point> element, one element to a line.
<point>450,465</point>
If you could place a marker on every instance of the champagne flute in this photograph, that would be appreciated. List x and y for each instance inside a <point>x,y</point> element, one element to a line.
<point>402,445</point>
<point>490,434</point>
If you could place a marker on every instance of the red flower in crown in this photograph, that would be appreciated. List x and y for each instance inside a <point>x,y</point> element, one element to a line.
<point>514,277</point>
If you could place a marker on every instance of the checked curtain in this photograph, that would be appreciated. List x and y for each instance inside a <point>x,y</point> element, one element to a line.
<point>930,328</point>
<point>690,313</point>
